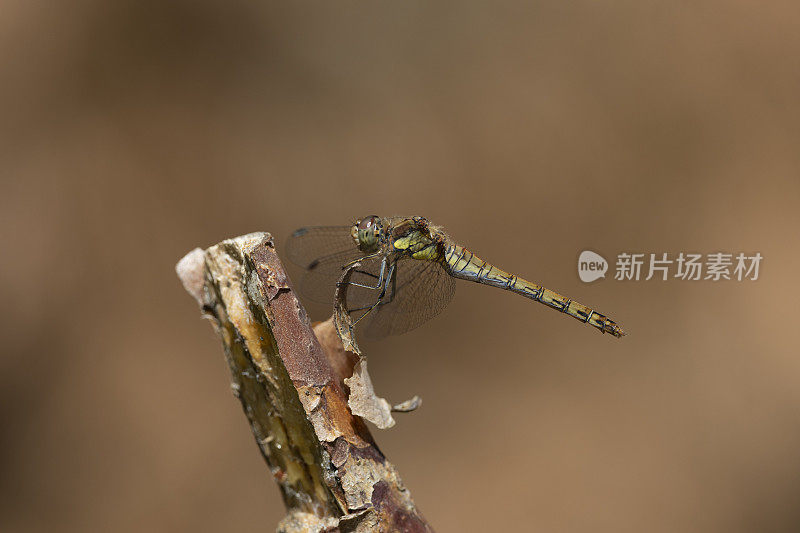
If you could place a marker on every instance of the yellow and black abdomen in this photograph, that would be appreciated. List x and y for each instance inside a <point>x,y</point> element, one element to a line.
<point>463,264</point>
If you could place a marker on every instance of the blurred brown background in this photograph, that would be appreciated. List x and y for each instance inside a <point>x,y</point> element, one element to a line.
<point>133,131</point>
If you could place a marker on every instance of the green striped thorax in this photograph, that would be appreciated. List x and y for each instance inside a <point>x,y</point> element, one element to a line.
<point>419,245</point>
<point>412,237</point>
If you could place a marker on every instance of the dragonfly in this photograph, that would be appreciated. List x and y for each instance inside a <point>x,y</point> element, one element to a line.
<point>403,273</point>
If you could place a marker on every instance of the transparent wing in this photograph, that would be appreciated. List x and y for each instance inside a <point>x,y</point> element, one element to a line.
<point>417,292</point>
<point>321,251</point>
<point>309,244</point>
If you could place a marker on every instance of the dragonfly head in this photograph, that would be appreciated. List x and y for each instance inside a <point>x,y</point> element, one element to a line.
<point>368,233</point>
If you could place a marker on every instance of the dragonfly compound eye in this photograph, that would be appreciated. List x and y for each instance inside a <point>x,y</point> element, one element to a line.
<point>368,230</point>
<point>368,222</point>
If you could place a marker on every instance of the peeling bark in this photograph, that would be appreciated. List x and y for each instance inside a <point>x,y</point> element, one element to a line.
<point>291,383</point>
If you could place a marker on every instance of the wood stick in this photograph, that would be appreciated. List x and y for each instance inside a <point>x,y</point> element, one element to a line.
<point>290,382</point>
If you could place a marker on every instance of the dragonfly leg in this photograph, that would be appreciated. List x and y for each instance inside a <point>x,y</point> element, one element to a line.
<point>364,272</point>
<point>393,280</point>
<point>370,256</point>
<point>378,301</point>
<point>380,279</point>
<point>388,299</point>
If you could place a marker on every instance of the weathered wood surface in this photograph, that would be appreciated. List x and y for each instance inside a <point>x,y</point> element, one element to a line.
<point>290,381</point>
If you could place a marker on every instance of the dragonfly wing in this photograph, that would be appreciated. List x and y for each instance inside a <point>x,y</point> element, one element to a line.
<point>309,244</point>
<point>321,251</point>
<point>418,292</point>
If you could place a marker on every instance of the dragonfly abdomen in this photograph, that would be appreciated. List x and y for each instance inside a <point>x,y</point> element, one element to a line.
<point>463,264</point>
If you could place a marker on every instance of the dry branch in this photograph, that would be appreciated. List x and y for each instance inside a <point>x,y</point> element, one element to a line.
<point>291,385</point>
